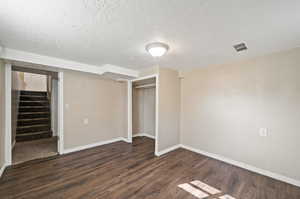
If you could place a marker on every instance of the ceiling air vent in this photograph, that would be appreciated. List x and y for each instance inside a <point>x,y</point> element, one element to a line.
<point>240,47</point>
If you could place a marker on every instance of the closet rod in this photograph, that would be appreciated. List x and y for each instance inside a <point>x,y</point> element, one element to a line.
<point>145,86</point>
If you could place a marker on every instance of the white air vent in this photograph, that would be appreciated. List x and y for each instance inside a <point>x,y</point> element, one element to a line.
<point>240,47</point>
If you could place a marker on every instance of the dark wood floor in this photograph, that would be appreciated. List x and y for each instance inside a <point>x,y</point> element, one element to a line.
<point>122,171</point>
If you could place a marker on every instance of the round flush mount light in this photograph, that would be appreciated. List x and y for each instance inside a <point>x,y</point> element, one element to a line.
<point>157,49</point>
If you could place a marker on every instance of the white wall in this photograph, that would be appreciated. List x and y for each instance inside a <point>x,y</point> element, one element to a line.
<point>223,107</point>
<point>143,111</point>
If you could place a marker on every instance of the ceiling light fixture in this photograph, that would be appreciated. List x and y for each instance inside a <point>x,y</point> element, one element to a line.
<point>157,49</point>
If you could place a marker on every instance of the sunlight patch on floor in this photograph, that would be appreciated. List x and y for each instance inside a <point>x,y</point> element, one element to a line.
<point>209,189</point>
<point>192,190</point>
<point>226,197</point>
<point>201,190</point>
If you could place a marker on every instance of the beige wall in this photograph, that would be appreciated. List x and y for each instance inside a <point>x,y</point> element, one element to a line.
<point>102,101</point>
<point>35,82</point>
<point>2,113</point>
<point>143,111</point>
<point>169,108</point>
<point>223,107</point>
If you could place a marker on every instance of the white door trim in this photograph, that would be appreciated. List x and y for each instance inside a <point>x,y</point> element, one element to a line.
<point>145,77</point>
<point>8,127</point>
<point>60,121</point>
<point>156,113</point>
<point>156,76</point>
<point>129,111</point>
<point>8,89</point>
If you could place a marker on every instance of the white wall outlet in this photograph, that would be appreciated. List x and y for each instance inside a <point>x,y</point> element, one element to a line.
<point>67,106</point>
<point>85,121</point>
<point>263,132</point>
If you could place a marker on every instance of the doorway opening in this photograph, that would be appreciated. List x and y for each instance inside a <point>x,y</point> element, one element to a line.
<point>144,106</point>
<point>34,113</point>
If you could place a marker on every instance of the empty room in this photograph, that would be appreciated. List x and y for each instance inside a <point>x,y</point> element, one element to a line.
<point>149,99</point>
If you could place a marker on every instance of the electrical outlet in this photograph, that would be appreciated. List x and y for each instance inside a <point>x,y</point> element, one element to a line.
<point>263,132</point>
<point>67,106</point>
<point>86,121</point>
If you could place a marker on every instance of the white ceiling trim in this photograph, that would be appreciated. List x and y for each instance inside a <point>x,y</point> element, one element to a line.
<point>120,70</point>
<point>22,56</point>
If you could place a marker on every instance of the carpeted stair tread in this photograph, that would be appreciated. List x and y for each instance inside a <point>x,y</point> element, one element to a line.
<point>33,119</point>
<point>33,103</point>
<point>34,133</point>
<point>33,93</point>
<point>34,109</point>
<point>32,126</point>
<point>32,98</point>
<point>28,113</point>
<point>34,106</point>
<point>35,136</point>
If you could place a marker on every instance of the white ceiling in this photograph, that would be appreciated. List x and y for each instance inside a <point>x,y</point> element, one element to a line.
<point>199,32</point>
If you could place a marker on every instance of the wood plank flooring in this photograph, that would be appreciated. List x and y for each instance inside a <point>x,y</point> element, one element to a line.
<point>122,171</point>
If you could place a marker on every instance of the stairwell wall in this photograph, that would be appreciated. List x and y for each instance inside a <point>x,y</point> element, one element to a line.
<point>18,84</point>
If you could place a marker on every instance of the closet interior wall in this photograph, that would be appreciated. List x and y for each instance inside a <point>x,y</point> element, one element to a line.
<point>143,108</point>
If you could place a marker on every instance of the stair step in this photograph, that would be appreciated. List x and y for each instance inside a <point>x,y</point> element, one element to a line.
<point>33,121</point>
<point>33,133</point>
<point>31,109</point>
<point>33,128</point>
<point>34,103</point>
<point>34,106</point>
<point>28,113</point>
<point>34,115</point>
<point>33,98</point>
<point>37,93</point>
<point>33,136</point>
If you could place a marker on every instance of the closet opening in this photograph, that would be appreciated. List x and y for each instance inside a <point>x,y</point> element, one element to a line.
<point>144,113</point>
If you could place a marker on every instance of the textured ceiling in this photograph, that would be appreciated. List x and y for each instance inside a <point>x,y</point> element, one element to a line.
<point>199,32</point>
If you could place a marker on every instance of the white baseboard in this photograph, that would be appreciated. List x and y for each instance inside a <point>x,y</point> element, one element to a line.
<point>2,169</point>
<point>144,134</point>
<point>167,150</point>
<point>79,148</point>
<point>125,140</point>
<point>245,166</point>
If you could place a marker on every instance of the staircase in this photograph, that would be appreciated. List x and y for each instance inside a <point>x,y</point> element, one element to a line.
<point>34,119</point>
